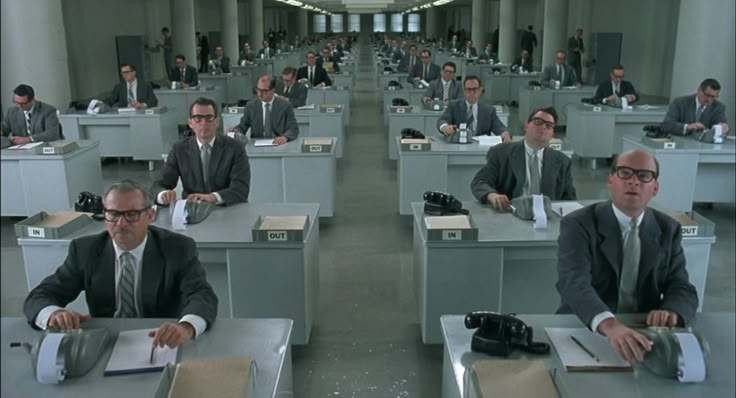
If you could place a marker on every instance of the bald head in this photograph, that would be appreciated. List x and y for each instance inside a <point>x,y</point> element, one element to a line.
<point>633,181</point>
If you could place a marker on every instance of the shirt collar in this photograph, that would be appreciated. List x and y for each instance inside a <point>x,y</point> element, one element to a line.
<point>697,103</point>
<point>270,103</point>
<point>212,143</point>
<point>623,219</point>
<point>137,252</point>
<point>31,110</point>
<point>133,83</point>
<point>530,150</point>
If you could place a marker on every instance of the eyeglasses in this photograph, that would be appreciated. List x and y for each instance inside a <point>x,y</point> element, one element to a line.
<point>263,90</point>
<point>125,72</point>
<point>449,71</point>
<point>471,89</point>
<point>625,173</point>
<point>129,215</point>
<point>537,121</point>
<point>21,103</point>
<point>709,95</point>
<point>200,118</point>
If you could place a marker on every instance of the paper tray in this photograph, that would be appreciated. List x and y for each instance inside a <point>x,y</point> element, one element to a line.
<point>451,228</point>
<point>166,383</point>
<point>280,228</point>
<point>51,226</point>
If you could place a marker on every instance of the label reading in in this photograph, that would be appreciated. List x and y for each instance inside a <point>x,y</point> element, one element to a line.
<point>452,234</point>
<point>36,232</point>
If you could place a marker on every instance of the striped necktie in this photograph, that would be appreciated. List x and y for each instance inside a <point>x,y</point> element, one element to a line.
<point>131,97</point>
<point>206,165</point>
<point>28,123</point>
<point>470,119</point>
<point>698,113</point>
<point>126,287</point>
<point>267,131</point>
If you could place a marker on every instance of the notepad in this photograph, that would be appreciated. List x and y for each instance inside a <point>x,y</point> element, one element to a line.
<point>309,106</point>
<point>266,142</point>
<point>576,359</point>
<point>512,378</point>
<point>488,140</point>
<point>564,208</point>
<point>29,145</point>
<point>132,353</point>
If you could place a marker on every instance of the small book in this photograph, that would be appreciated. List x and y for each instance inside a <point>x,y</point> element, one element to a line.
<point>132,354</point>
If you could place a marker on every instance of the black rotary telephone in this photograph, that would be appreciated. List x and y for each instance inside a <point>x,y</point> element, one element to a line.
<point>498,334</point>
<point>90,203</point>
<point>411,133</point>
<point>656,131</point>
<point>399,102</point>
<point>442,204</point>
<point>395,83</point>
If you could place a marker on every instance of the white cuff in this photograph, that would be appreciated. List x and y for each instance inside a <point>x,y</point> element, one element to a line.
<point>160,198</point>
<point>684,129</point>
<point>199,324</point>
<point>42,319</point>
<point>598,319</point>
<point>442,127</point>
<point>219,198</point>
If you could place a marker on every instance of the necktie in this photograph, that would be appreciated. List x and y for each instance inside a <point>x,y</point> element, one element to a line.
<point>131,97</point>
<point>618,89</point>
<point>126,287</point>
<point>311,76</point>
<point>424,75</point>
<point>559,74</point>
<point>411,61</point>
<point>286,91</point>
<point>699,113</point>
<point>446,91</point>
<point>534,180</point>
<point>629,271</point>
<point>470,119</point>
<point>28,123</point>
<point>205,154</point>
<point>267,132</point>
<point>183,74</point>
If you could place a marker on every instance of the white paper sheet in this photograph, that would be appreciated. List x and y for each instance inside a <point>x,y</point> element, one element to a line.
<point>575,358</point>
<point>179,216</point>
<point>540,216</point>
<point>565,208</point>
<point>29,145</point>
<point>488,140</point>
<point>264,142</point>
<point>132,354</point>
<point>308,106</point>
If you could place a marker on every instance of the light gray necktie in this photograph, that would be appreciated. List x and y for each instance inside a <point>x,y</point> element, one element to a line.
<point>411,62</point>
<point>534,179</point>
<point>267,131</point>
<point>470,119</point>
<point>629,271</point>
<point>131,98</point>
<point>445,90</point>
<point>699,113</point>
<point>28,123</point>
<point>286,91</point>
<point>205,154</point>
<point>126,288</point>
<point>183,74</point>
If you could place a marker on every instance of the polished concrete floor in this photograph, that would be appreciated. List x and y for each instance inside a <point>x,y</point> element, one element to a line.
<point>365,340</point>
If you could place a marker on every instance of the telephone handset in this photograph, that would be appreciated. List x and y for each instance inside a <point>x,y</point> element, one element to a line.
<point>440,204</point>
<point>498,334</point>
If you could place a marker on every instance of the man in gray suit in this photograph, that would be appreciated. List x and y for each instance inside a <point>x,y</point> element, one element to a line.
<point>445,88</point>
<point>134,270</point>
<point>132,92</point>
<point>269,116</point>
<point>696,112</point>
<point>426,71</point>
<point>575,49</point>
<point>480,118</point>
<point>186,74</point>
<point>220,61</point>
<point>290,89</point>
<point>32,120</point>
<point>469,51</point>
<point>410,60</point>
<point>620,256</point>
<point>213,168</point>
<point>561,71</point>
<point>525,167</point>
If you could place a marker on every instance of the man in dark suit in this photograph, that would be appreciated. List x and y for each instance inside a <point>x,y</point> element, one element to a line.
<point>269,116</point>
<point>611,91</point>
<point>400,53</point>
<point>328,62</point>
<point>445,88</point>
<point>213,168</point>
<point>696,112</point>
<point>290,89</point>
<point>620,256</point>
<point>480,118</point>
<point>469,51</point>
<point>168,48</point>
<point>529,40</point>
<point>575,49</point>
<point>426,71</point>
<point>134,270</point>
<point>561,71</point>
<point>31,120</point>
<point>523,62</point>
<point>204,51</point>
<point>313,74</point>
<point>526,167</point>
<point>454,44</point>
<point>266,51</point>
<point>246,56</point>
<point>220,61</point>
<point>184,73</point>
<point>132,92</point>
<point>409,61</point>
<point>488,54</point>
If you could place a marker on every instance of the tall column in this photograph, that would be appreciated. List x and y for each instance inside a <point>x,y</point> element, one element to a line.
<point>695,59</point>
<point>477,25</point>
<point>555,25</point>
<point>256,24</point>
<point>431,16</point>
<point>507,45</point>
<point>303,23</point>
<point>35,29</point>
<point>229,28</point>
<point>182,28</point>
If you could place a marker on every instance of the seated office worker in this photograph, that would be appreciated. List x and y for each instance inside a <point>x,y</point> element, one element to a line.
<point>247,56</point>
<point>213,168</point>
<point>610,91</point>
<point>561,71</point>
<point>328,61</point>
<point>132,92</point>
<point>696,112</point>
<point>290,89</point>
<point>269,116</point>
<point>445,88</point>
<point>621,256</point>
<point>312,74</point>
<point>525,167</point>
<point>186,74</point>
<point>31,120</point>
<point>481,118</point>
<point>523,62</point>
<point>426,70</point>
<point>409,60</point>
<point>221,61</point>
<point>133,270</point>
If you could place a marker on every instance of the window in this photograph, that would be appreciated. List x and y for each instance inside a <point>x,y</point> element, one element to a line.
<point>397,23</point>
<point>413,23</point>
<point>379,22</point>
<point>320,23</point>
<point>354,22</point>
<point>337,23</point>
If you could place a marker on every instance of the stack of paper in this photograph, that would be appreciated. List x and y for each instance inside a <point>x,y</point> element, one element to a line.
<point>511,378</point>
<point>29,145</point>
<point>132,354</point>
<point>308,106</point>
<point>488,140</point>
<point>264,142</point>
<point>600,356</point>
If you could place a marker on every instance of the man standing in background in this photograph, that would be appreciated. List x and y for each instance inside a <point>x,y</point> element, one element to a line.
<point>529,40</point>
<point>168,51</point>
<point>575,51</point>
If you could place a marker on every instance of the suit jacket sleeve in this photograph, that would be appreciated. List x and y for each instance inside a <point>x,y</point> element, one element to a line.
<point>115,97</point>
<point>485,179</point>
<point>5,125</point>
<point>239,175</point>
<point>170,174</point>
<point>547,74</point>
<point>674,120</point>
<point>628,88</point>
<point>50,123</point>
<point>292,128</point>
<point>678,294</point>
<point>299,96</point>
<point>148,95</point>
<point>497,126</point>
<point>603,90</point>
<point>197,296</point>
<point>413,72</point>
<point>430,91</point>
<point>447,117</point>
<point>568,187</point>
<point>194,79</point>
<point>326,78</point>
<point>245,121</point>
<point>225,64</point>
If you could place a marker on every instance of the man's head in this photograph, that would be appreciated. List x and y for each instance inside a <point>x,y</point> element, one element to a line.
<point>128,213</point>
<point>579,33</point>
<point>129,72</point>
<point>326,54</point>
<point>24,97</point>
<point>265,43</point>
<point>633,181</point>
<point>246,47</point>
<point>561,57</point>
<point>524,54</point>
<point>473,88</point>
<point>617,74</point>
<point>311,58</point>
<point>708,91</point>
<point>165,31</point>
<point>426,57</point>
<point>403,44</point>
<point>489,47</point>
<point>203,119</point>
<point>469,44</point>
<point>540,127</point>
<point>288,76</point>
<point>393,43</point>
<point>454,37</point>
<point>181,61</point>
<point>448,71</point>
<point>530,28</point>
<point>413,50</point>
<point>219,51</point>
<point>265,87</point>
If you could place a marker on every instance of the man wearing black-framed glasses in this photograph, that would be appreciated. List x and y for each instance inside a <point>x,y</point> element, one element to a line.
<point>133,270</point>
<point>620,256</point>
<point>697,112</point>
<point>30,120</point>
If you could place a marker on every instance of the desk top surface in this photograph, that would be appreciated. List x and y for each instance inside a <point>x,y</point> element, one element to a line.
<point>420,110</point>
<point>114,114</point>
<point>226,226</point>
<point>32,154</point>
<point>689,145</point>
<point>718,329</point>
<point>644,109</point>
<point>290,149</point>
<point>188,90</point>
<point>264,340</point>
<point>299,112</point>
<point>562,91</point>
<point>209,76</point>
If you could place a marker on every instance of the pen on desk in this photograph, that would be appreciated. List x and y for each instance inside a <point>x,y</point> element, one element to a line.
<point>584,349</point>
<point>153,350</point>
<point>561,212</point>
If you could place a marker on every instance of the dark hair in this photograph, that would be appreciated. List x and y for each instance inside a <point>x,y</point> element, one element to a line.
<point>614,163</point>
<point>132,67</point>
<point>24,90</point>
<point>271,81</point>
<point>311,52</point>
<point>203,101</point>
<point>412,45</point>
<point>550,110</point>
<point>579,30</point>
<point>129,186</point>
<point>220,47</point>
<point>326,48</point>
<point>450,63</point>
<point>426,50</point>
<point>164,29</point>
<point>617,67</point>
<point>473,77</point>
<point>710,82</point>
<point>289,70</point>
<point>181,57</point>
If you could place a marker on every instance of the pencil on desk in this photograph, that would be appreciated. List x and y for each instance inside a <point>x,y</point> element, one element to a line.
<point>153,350</point>
<point>584,349</point>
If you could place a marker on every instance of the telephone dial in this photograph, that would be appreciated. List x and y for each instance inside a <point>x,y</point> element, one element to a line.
<point>441,204</point>
<point>88,202</point>
<point>498,334</point>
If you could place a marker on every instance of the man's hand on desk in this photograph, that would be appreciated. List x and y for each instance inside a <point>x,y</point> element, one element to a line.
<point>233,129</point>
<point>630,97</point>
<point>167,197</point>
<point>205,197</point>
<point>20,140</point>
<point>662,318</point>
<point>628,343</point>
<point>280,140</point>
<point>697,126</point>
<point>64,319</point>
<point>450,129</point>
<point>425,100</point>
<point>498,201</point>
<point>725,128</point>
<point>172,334</point>
<point>139,105</point>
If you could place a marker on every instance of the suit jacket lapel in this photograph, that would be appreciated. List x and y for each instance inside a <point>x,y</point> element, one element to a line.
<point>649,233</point>
<point>610,233</point>
<point>215,158</point>
<point>152,270</point>
<point>547,186</point>
<point>103,279</point>
<point>518,166</point>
